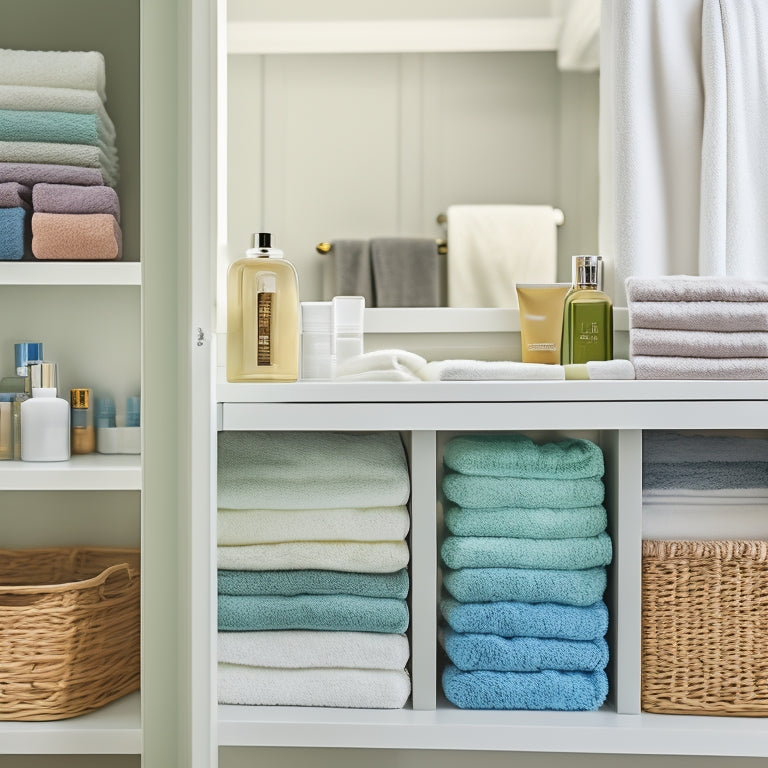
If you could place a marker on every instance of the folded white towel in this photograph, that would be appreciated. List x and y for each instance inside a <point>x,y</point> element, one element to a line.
<point>357,688</point>
<point>45,152</point>
<point>610,369</point>
<point>482,370</point>
<point>382,365</point>
<point>62,69</point>
<point>348,556</point>
<point>650,341</point>
<point>693,521</point>
<point>699,315</point>
<point>292,649</point>
<point>730,496</point>
<point>266,526</point>
<point>693,288</point>
<point>38,98</point>
<point>731,369</point>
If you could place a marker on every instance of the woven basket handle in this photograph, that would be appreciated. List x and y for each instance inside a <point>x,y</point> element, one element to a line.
<point>115,580</point>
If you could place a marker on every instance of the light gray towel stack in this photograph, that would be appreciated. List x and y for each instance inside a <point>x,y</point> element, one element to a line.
<point>685,327</point>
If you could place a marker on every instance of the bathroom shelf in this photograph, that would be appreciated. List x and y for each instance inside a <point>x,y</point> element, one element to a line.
<point>450,728</point>
<point>70,273</point>
<point>112,729</point>
<point>94,472</point>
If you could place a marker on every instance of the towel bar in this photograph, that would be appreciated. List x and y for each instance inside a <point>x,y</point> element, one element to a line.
<point>557,213</point>
<point>442,247</point>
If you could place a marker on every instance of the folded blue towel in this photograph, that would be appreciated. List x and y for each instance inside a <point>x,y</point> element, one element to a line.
<point>483,585</point>
<point>548,554</point>
<point>471,652</point>
<point>350,613</point>
<point>312,582</point>
<point>547,690</point>
<point>706,475</point>
<point>13,231</point>
<point>522,523</point>
<point>518,456</point>
<point>514,619</point>
<point>311,470</point>
<point>662,447</point>
<point>474,492</point>
<point>57,127</point>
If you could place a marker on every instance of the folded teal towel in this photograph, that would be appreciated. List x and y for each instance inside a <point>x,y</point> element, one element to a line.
<point>57,127</point>
<point>471,652</point>
<point>513,619</point>
<point>13,231</point>
<point>474,492</point>
<point>547,690</point>
<point>522,523</point>
<point>548,554</point>
<point>349,613</point>
<point>483,585</point>
<point>311,470</point>
<point>289,583</point>
<point>518,456</point>
<point>706,475</point>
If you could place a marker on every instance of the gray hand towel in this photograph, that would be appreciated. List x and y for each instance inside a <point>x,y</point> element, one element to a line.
<point>72,198</point>
<point>353,269</point>
<point>15,195</point>
<point>405,272</point>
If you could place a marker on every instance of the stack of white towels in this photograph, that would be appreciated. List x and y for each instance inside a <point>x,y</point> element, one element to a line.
<point>312,579</point>
<point>58,157</point>
<point>684,327</point>
<point>704,486</point>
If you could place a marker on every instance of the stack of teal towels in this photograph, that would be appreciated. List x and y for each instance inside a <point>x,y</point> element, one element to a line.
<point>524,573</point>
<point>58,158</point>
<point>312,569</point>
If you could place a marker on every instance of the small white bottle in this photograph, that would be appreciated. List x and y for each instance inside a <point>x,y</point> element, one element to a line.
<point>44,418</point>
<point>348,315</point>
<point>316,340</point>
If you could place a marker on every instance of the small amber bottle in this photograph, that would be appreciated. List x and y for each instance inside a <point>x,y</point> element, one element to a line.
<point>83,435</point>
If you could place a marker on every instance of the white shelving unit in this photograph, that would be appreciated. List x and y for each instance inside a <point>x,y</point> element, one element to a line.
<point>70,273</point>
<point>94,472</point>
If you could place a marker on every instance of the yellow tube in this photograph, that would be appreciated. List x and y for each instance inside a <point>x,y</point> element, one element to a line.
<point>541,320</point>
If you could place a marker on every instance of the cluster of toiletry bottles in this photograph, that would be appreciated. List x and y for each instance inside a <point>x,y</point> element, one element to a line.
<point>265,341</point>
<point>38,425</point>
<point>567,323</point>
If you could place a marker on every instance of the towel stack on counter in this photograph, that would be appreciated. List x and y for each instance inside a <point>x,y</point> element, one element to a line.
<point>525,573</point>
<point>58,158</point>
<point>704,486</point>
<point>312,563</point>
<point>686,327</point>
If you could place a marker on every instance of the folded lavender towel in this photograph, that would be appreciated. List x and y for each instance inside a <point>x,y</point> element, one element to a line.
<point>717,344</point>
<point>70,198</point>
<point>694,288</point>
<point>699,315</point>
<point>15,195</point>
<point>30,174</point>
<point>734,369</point>
<point>71,236</point>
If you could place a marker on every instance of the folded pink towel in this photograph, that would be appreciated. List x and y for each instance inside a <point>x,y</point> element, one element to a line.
<point>69,198</point>
<point>78,237</point>
<point>720,344</point>
<point>699,315</point>
<point>30,174</point>
<point>15,195</point>
<point>734,369</point>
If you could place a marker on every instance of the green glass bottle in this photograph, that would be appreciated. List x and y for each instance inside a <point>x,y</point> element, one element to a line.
<point>587,316</point>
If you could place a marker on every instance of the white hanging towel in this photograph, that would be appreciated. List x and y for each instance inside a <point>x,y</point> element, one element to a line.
<point>493,247</point>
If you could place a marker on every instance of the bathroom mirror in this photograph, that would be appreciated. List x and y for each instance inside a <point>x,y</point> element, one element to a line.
<point>371,120</point>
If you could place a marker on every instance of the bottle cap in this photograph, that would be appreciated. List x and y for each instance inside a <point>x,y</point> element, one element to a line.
<point>80,398</point>
<point>261,246</point>
<point>586,271</point>
<point>133,412</point>
<point>348,314</point>
<point>43,375</point>
<point>27,352</point>
<point>316,316</point>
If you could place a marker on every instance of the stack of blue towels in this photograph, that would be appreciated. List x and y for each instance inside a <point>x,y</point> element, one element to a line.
<point>524,572</point>
<point>312,562</point>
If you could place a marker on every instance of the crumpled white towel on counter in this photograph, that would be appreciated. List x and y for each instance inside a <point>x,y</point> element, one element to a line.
<point>357,688</point>
<point>293,649</point>
<point>382,365</point>
<point>482,370</point>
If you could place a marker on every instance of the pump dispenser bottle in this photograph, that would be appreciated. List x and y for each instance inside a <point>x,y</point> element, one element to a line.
<point>587,316</point>
<point>262,315</point>
<point>44,418</point>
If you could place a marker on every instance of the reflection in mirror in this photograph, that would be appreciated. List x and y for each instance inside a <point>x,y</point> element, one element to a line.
<point>397,165</point>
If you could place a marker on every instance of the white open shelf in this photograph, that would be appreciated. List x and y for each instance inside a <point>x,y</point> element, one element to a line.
<point>93,472</point>
<point>70,273</point>
<point>112,729</point>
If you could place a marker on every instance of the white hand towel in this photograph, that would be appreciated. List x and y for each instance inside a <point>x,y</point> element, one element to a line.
<point>491,248</point>
<point>356,688</point>
<point>62,69</point>
<point>610,369</point>
<point>267,526</point>
<point>292,649</point>
<point>348,556</point>
<point>722,369</point>
<point>718,344</point>
<point>382,365</point>
<point>699,315</point>
<point>694,288</point>
<point>729,496</point>
<point>483,370</point>
<point>693,521</point>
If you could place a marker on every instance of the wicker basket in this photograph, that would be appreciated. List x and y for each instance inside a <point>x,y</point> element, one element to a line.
<point>69,630</point>
<point>705,627</point>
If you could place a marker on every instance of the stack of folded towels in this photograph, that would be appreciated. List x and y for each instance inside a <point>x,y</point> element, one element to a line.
<point>525,572</point>
<point>312,575</point>
<point>686,327</point>
<point>58,158</point>
<point>704,486</point>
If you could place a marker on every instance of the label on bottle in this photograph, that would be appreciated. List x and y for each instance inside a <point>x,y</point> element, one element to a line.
<point>264,330</point>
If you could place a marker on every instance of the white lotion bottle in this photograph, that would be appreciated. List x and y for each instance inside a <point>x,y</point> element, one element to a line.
<point>44,418</point>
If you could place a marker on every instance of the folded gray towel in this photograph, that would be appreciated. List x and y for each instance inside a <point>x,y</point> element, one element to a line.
<point>733,369</point>
<point>699,315</point>
<point>72,198</point>
<point>648,341</point>
<point>15,195</point>
<point>352,263</point>
<point>405,272</point>
<point>662,447</point>
<point>693,288</point>
<point>706,475</point>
